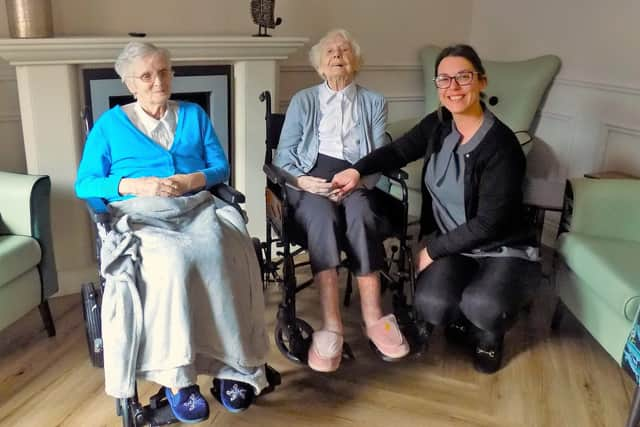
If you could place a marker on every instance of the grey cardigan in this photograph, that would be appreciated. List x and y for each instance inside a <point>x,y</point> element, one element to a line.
<point>299,144</point>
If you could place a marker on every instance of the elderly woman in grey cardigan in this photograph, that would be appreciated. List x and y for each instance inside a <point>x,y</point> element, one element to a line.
<point>329,127</point>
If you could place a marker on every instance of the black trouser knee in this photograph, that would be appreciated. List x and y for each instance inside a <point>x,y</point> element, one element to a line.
<point>487,291</point>
<point>439,288</point>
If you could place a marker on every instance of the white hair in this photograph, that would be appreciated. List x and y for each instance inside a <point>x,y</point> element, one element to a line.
<point>315,54</point>
<point>134,51</point>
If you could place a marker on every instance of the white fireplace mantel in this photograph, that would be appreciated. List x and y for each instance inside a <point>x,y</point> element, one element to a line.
<point>91,50</point>
<point>49,92</point>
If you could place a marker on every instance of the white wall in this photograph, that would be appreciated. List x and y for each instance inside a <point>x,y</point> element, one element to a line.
<point>591,119</point>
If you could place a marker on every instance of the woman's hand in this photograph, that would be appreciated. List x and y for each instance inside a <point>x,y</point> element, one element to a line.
<point>314,185</point>
<point>172,186</point>
<point>185,183</point>
<point>148,186</point>
<point>423,260</point>
<point>346,181</point>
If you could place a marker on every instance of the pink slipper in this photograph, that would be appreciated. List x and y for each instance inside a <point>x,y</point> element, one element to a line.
<point>388,340</point>
<point>325,352</point>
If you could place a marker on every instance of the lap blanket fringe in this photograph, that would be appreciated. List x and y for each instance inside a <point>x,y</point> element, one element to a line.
<point>183,288</point>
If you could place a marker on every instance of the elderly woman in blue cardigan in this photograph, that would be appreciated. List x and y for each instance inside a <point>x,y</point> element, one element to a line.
<point>327,128</point>
<point>156,151</point>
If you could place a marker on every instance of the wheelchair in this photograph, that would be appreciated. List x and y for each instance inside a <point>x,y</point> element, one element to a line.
<point>158,411</point>
<point>293,334</point>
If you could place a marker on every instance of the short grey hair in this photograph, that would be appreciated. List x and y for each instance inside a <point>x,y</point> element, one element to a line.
<point>134,51</point>
<point>315,54</point>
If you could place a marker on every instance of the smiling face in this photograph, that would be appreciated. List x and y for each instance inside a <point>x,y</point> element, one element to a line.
<point>461,99</point>
<point>154,94</point>
<point>337,60</point>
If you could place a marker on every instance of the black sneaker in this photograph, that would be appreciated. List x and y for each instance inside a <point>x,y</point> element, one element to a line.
<point>488,353</point>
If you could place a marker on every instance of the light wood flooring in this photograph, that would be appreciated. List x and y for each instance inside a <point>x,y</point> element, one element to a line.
<point>550,379</point>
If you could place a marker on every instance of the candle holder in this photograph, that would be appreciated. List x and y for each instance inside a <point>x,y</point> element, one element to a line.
<point>29,18</point>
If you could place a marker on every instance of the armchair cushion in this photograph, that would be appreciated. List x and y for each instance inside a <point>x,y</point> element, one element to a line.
<point>609,267</point>
<point>509,83</point>
<point>18,254</point>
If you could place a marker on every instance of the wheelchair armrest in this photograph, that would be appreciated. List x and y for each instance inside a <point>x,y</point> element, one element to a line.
<point>277,175</point>
<point>397,175</point>
<point>98,210</point>
<point>227,193</point>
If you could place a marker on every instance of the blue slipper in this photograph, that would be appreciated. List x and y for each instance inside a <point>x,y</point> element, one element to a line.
<point>235,396</point>
<point>188,405</point>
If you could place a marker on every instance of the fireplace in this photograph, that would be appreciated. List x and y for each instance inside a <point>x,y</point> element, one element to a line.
<point>206,85</point>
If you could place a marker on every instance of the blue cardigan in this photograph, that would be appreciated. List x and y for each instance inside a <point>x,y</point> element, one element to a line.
<point>116,149</point>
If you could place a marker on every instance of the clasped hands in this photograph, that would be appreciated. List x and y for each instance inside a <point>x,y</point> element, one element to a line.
<point>171,186</point>
<point>346,181</point>
<point>342,184</point>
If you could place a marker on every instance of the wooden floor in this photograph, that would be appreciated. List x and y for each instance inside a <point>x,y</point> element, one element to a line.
<point>550,379</point>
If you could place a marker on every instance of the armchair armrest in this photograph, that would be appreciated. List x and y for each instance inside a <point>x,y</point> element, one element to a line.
<point>24,207</point>
<point>606,207</point>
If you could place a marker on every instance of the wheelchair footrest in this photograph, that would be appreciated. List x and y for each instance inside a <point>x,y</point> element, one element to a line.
<point>158,412</point>
<point>273,378</point>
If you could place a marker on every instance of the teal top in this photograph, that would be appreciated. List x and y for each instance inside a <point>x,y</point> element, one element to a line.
<point>116,149</point>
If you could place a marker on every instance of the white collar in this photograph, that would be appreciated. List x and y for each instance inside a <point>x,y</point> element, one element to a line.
<point>151,123</point>
<point>327,94</point>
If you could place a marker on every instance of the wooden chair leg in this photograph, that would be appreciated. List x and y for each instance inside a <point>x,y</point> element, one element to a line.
<point>47,319</point>
<point>557,315</point>
<point>634,413</point>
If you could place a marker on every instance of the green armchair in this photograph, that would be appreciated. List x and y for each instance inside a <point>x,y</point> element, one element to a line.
<point>27,266</point>
<point>596,268</point>
<point>514,93</point>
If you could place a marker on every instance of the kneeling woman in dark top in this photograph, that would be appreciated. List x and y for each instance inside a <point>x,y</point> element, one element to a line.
<point>476,258</point>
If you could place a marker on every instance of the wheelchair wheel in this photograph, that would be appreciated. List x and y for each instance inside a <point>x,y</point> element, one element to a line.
<point>123,409</point>
<point>91,301</point>
<point>294,344</point>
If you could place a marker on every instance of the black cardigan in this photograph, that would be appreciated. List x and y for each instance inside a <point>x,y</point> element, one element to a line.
<point>494,174</point>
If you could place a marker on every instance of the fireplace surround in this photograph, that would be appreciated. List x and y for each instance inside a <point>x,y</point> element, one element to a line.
<point>50,94</point>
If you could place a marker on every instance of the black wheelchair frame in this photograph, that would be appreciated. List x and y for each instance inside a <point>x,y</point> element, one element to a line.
<point>158,411</point>
<point>293,334</point>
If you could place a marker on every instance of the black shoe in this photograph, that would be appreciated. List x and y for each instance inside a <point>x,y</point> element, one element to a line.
<point>459,333</point>
<point>487,356</point>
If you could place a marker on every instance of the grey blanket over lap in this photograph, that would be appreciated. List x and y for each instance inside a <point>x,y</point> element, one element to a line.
<point>182,288</point>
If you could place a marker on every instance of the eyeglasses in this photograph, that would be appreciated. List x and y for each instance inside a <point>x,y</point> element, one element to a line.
<point>151,77</point>
<point>463,78</point>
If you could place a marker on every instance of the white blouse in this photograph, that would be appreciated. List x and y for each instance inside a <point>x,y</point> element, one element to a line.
<point>160,131</point>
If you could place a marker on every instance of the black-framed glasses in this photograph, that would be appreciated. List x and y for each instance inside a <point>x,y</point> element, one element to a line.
<point>463,78</point>
<point>151,77</point>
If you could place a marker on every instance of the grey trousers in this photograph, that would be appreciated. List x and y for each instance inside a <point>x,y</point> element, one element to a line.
<point>355,225</point>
